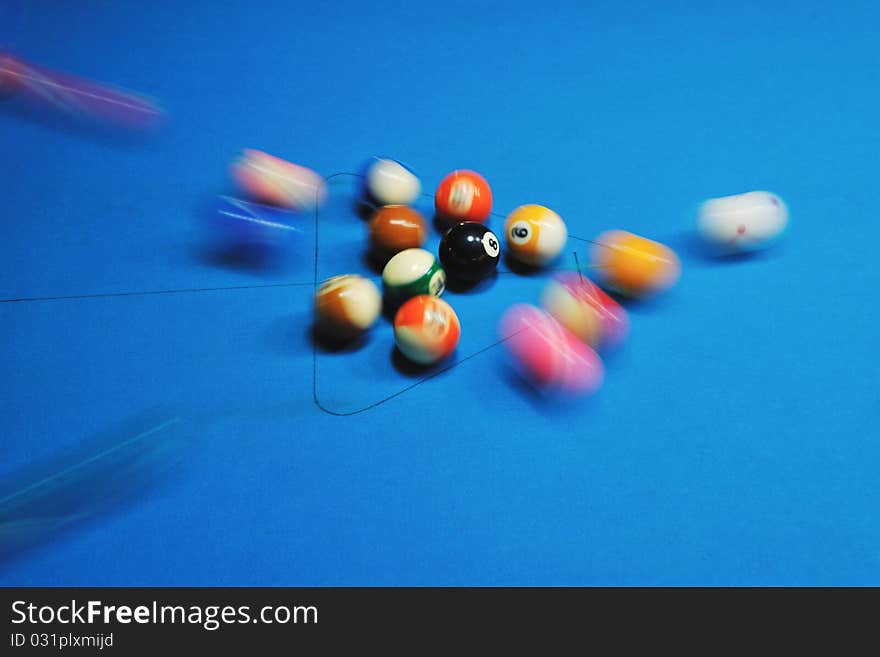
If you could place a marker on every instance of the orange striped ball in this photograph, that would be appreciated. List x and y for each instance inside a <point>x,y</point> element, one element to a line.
<point>463,195</point>
<point>426,329</point>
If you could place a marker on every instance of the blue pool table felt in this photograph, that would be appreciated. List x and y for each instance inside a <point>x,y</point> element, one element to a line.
<point>735,440</point>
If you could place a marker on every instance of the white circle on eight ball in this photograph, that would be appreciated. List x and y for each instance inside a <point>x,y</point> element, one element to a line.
<point>490,244</point>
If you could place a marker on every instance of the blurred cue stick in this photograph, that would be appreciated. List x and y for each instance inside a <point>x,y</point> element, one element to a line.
<point>95,476</point>
<point>76,96</point>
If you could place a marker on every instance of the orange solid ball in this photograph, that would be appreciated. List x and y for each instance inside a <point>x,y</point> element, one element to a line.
<point>463,196</point>
<point>397,227</point>
<point>632,265</point>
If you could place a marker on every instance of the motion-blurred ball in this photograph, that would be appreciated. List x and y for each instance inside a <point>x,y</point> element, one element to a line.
<point>269,179</point>
<point>632,265</point>
<point>547,354</point>
<point>743,222</point>
<point>584,309</point>
<point>253,232</point>
<point>388,182</point>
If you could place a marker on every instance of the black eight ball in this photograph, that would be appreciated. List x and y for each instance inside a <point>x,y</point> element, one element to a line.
<point>469,252</point>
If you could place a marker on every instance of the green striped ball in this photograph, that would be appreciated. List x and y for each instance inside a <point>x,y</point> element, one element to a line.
<point>410,273</point>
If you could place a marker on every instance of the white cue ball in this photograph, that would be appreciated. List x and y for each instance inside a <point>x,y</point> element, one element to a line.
<point>743,222</point>
<point>391,183</point>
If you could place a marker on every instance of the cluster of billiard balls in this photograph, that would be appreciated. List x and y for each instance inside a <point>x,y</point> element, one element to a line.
<point>426,328</point>
<point>553,345</point>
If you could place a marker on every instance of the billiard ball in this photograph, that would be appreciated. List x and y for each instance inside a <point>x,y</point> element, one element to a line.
<point>535,235</point>
<point>410,273</point>
<point>463,195</point>
<point>388,182</point>
<point>346,306</point>
<point>426,329</point>
<point>584,309</point>
<point>469,252</point>
<point>269,179</point>
<point>394,228</point>
<point>743,222</point>
<point>633,266</point>
<point>548,355</point>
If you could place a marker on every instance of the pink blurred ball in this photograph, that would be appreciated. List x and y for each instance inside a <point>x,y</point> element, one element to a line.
<point>547,354</point>
<point>269,179</point>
